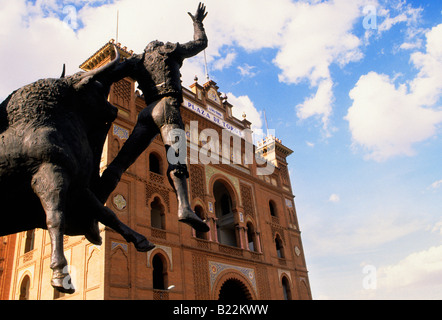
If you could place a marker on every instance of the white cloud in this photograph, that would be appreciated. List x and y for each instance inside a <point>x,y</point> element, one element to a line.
<point>386,14</point>
<point>416,270</point>
<point>242,105</point>
<point>39,42</point>
<point>251,24</point>
<point>411,45</point>
<point>247,71</point>
<point>436,184</point>
<point>427,86</point>
<point>385,119</point>
<point>309,37</point>
<point>360,232</point>
<point>318,35</point>
<point>225,62</point>
<point>406,14</point>
<point>319,104</point>
<point>437,228</point>
<point>334,198</point>
<point>38,39</point>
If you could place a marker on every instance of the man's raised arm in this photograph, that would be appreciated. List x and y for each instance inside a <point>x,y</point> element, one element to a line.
<point>200,41</point>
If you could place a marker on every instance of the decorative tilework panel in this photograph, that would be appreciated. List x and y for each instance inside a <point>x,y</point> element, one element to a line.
<point>215,268</point>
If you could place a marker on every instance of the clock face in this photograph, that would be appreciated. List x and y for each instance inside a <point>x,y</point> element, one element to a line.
<point>213,95</point>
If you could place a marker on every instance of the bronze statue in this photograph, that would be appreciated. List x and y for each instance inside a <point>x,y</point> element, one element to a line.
<point>52,134</point>
<point>157,71</point>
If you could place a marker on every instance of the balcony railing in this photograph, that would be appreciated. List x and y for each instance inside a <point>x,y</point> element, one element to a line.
<point>159,233</point>
<point>160,294</point>
<point>225,249</point>
<point>155,177</point>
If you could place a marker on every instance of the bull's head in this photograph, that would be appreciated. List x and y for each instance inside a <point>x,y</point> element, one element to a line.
<point>101,74</point>
<point>91,90</point>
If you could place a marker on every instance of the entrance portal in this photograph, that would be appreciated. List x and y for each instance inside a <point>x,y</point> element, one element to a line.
<point>234,289</point>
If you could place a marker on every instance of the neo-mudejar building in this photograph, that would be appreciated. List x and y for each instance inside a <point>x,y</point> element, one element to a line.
<point>253,250</point>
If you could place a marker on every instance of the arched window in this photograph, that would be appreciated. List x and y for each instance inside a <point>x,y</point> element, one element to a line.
<point>286,289</point>
<point>157,215</point>
<point>159,273</point>
<point>24,288</point>
<point>29,242</point>
<point>251,237</point>
<point>154,163</point>
<point>272,208</point>
<point>279,247</point>
<point>223,210</point>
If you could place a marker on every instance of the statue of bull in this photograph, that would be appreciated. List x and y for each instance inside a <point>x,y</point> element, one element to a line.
<point>52,134</point>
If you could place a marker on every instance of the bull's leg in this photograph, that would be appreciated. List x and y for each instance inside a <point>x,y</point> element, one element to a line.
<point>50,184</point>
<point>109,218</point>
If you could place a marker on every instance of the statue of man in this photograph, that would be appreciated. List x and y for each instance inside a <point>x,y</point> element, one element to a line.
<point>157,71</point>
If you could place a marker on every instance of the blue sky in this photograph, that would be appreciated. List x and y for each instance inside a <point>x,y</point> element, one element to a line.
<point>353,87</point>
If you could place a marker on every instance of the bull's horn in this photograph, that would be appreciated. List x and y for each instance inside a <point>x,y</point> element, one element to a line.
<point>63,74</point>
<point>109,66</point>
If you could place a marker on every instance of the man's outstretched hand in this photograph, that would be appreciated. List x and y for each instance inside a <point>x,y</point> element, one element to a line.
<point>200,14</point>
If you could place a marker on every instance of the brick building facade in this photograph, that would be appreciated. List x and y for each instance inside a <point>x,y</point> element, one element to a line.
<point>253,250</point>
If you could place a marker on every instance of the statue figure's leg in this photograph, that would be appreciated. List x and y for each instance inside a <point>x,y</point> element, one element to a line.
<point>140,138</point>
<point>50,184</point>
<point>175,142</point>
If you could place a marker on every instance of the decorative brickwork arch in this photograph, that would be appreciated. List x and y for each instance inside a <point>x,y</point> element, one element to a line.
<point>226,211</point>
<point>164,252</point>
<point>252,238</point>
<point>158,212</point>
<point>160,277</point>
<point>197,202</point>
<point>286,285</point>
<point>228,185</point>
<point>119,267</point>
<point>232,285</point>
<point>305,291</point>
<point>24,286</point>
<point>161,191</point>
<point>279,246</point>
<point>160,197</point>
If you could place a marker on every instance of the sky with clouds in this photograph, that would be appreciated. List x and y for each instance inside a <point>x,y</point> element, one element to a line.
<point>353,87</point>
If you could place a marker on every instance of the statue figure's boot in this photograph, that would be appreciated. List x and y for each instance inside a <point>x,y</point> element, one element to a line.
<point>185,213</point>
